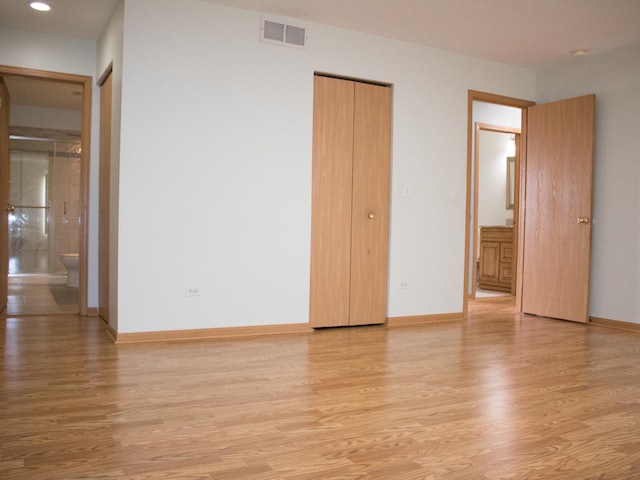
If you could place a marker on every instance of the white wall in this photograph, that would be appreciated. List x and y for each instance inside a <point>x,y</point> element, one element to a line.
<point>67,55</point>
<point>492,179</point>
<point>56,118</point>
<point>496,115</point>
<point>109,56</point>
<point>615,79</point>
<point>215,165</point>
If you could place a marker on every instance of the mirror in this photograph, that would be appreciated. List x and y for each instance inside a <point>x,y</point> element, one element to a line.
<point>511,175</point>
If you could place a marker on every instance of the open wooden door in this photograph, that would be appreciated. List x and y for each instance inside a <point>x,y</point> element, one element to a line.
<point>4,195</point>
<point>104,197</point>
<point>557,224</point>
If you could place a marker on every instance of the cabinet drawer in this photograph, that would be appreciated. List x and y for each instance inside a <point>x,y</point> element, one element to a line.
<point>506,252</point>
<point>506,274</point>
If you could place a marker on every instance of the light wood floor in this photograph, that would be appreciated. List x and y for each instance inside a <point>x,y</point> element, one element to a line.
<point>495,397</point>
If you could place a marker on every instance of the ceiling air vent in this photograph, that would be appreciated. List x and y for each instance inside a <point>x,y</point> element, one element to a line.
<point>279,33</point>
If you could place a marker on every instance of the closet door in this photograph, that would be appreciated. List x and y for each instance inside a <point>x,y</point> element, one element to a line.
<point>370,208</point>
<point>331,202</point>
<point>350,203</point>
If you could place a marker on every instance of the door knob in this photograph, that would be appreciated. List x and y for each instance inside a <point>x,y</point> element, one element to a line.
<point>10,208</point>
<point>584,220</point>
<point>371,215</point>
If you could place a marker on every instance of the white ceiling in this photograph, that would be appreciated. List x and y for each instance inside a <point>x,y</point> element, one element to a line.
<point>75,18</point>
<point>526,33</point>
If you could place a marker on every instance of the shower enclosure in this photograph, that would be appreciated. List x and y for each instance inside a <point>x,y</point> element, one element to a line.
<point>44,197</point>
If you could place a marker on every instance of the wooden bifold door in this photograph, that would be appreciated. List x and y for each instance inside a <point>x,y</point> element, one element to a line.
<point>350,202</point>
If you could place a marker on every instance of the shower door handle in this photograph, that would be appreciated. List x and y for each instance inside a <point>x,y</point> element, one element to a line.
<point>12,208</point>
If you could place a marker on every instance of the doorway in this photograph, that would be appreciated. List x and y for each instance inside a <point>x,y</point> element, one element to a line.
<point>552,277</point>
<point>48,189</point>
<point>494,112</point>
<point>44,197</point>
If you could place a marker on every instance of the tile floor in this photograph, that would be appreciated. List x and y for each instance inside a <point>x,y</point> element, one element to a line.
<point>480,293</point>
<point>40,294</point>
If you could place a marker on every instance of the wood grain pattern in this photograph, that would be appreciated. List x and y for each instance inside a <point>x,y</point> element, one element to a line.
<point>496,396</point>
<point>331,202</point>
<point>370,236</point>
<point>415,320</point>
<point>85,141</point>
<point>557,250</point>
<point>350,203</point>
<point>496,259</point>
<point>211,333</point>
<point>104,201</point>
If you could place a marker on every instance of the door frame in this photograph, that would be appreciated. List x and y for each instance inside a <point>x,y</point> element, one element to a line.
<point>85,142</point>
<point>4,198</point>
<point>477,96</point>
<point>105,85</point>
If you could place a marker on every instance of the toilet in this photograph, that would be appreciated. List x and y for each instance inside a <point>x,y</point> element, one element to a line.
<point>71,261</point>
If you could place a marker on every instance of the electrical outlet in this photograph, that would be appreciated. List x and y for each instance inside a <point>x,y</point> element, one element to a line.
<point>404,285</point>
<point>192,292</point>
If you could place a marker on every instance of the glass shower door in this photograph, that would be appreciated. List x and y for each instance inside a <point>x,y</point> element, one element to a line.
<point>28,222</point>
<point>44,190</point>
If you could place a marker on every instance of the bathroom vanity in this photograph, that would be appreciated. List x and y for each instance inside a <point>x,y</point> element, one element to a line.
<point>496,259</point>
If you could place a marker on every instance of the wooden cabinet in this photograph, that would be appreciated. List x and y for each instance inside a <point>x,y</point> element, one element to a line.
<point>350,203</point>
<point>496,259</point>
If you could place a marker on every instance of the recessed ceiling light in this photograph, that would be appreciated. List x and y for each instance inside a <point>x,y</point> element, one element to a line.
<point>40,6</point>
<point>579,53</point>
